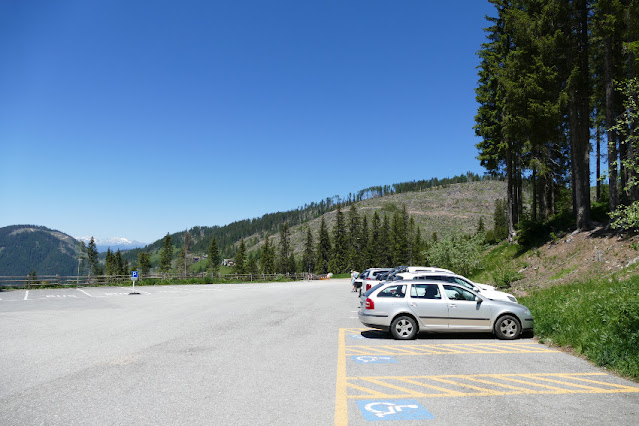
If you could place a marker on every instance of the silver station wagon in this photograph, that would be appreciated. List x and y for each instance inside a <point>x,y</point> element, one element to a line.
<point>406,308</point>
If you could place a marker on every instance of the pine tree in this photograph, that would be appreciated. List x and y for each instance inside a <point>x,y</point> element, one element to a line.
<point>240,259</point>
<point>376,249</point>
<point>268,258</point>
<point>480,225</point>
<point>144,262</point>
<point>214,256</point>
<point>119,264</point>
<point>308,259</point>
<point>323,249</point>
<point>186,246</point>
<point>92,256</point>
<point>110,262</point>
<point>284,265</point>
<point>340,245</point>
<point>418,248</point>
<point>251,266</point>
<point>366,246</point>
<point>399,238</point>
<point>355,248</point>
<point>166,254</point>
<point>385,248</point>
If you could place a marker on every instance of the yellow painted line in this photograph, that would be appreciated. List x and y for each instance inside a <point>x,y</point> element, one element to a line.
<point>369,393</point>
<point>448,392</point>
<point>484,391</point>
<point>341,393</point>
<point>396,386</point>
<point>448,349</point>
<point>545,379</point>
<point>619,387</point>
<point>487,382</point>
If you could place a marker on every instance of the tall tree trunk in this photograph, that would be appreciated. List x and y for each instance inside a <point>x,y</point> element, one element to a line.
<point>580,119</point>
<point>598,163</point>
<point>510,201</point>
<point>535,184</point>
<point>611,115</point>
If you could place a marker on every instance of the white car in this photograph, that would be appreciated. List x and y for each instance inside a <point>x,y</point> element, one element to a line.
<point>486,290</point>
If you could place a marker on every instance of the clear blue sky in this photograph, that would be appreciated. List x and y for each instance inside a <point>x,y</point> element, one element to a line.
<point>135,118</point>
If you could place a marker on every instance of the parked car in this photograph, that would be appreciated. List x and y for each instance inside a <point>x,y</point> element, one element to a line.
<point>370,277</point>
<point>394,274</point>
<point>406,308</point>
<point>486,290</point>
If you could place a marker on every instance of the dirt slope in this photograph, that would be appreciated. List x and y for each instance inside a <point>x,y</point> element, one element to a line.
<point>600,253</point>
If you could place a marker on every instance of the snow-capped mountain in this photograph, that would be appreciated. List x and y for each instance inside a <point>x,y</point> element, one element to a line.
<point>115,243</point>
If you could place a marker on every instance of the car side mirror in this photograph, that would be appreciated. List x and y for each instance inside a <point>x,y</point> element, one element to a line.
<point>478,299</point>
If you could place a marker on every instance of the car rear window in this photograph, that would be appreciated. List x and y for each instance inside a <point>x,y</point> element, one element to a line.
<point>372,289</point>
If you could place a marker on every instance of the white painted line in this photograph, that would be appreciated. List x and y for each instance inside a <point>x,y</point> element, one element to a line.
<point>79,289</point>
<point>26,295</point>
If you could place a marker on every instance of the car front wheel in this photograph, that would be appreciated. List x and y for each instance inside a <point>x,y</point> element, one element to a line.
<point>507,328</point>
<point>404,328</point>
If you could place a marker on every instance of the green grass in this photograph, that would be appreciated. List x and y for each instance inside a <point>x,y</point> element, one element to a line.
<point>494,261</point>
<point>598,319</point>
<point>562,273</point>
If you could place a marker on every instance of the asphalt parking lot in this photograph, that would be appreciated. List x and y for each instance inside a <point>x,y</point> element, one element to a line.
<point>277,353</point>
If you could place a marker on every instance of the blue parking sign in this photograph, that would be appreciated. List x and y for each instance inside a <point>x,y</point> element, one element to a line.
<point>134,274</point>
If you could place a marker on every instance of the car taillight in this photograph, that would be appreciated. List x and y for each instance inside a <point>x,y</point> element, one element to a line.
<point>368,287</point>
<point>370,304</point>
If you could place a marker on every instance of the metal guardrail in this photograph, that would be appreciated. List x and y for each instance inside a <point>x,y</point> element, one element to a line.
<point>106,280</point>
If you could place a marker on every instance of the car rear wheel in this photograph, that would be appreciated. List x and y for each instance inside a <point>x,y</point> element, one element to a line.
<point>403,328</point>
<point>507,328</point>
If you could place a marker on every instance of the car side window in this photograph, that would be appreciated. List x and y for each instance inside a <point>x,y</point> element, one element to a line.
<point>425,291</point>
<point>458,293</point>
<point>462,282</point>
<point>393,291</point>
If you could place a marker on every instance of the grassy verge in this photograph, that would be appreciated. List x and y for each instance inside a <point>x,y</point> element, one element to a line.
<point>598,319</point>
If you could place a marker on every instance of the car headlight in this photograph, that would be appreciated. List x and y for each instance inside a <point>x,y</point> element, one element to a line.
<point>512,299</point>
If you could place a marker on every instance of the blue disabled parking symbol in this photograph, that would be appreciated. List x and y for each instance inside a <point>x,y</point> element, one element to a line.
<point>360,359</point>
<point>397,409</point>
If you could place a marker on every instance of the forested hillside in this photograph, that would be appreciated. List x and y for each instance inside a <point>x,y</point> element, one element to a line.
<point>27,248</point>
<point>228,236</point>
<point>401,219</point>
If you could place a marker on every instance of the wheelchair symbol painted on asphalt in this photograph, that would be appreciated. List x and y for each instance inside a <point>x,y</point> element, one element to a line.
<point>374,359</point>
<point>400,409</point>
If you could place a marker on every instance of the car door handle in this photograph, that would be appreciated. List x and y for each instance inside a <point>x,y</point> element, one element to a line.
<point>452,305</point>
<point>413,304</point>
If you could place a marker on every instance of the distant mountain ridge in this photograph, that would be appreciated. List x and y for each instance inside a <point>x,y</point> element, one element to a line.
<point>28,248</point>
<point>115,243</point>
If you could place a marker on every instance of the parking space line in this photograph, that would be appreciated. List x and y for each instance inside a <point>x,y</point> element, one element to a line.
<point>82,291</point>
<point>26,295</point>
<point>341,393</point>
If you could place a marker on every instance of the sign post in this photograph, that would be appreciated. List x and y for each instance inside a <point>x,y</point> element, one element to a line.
<point>134,278</point>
